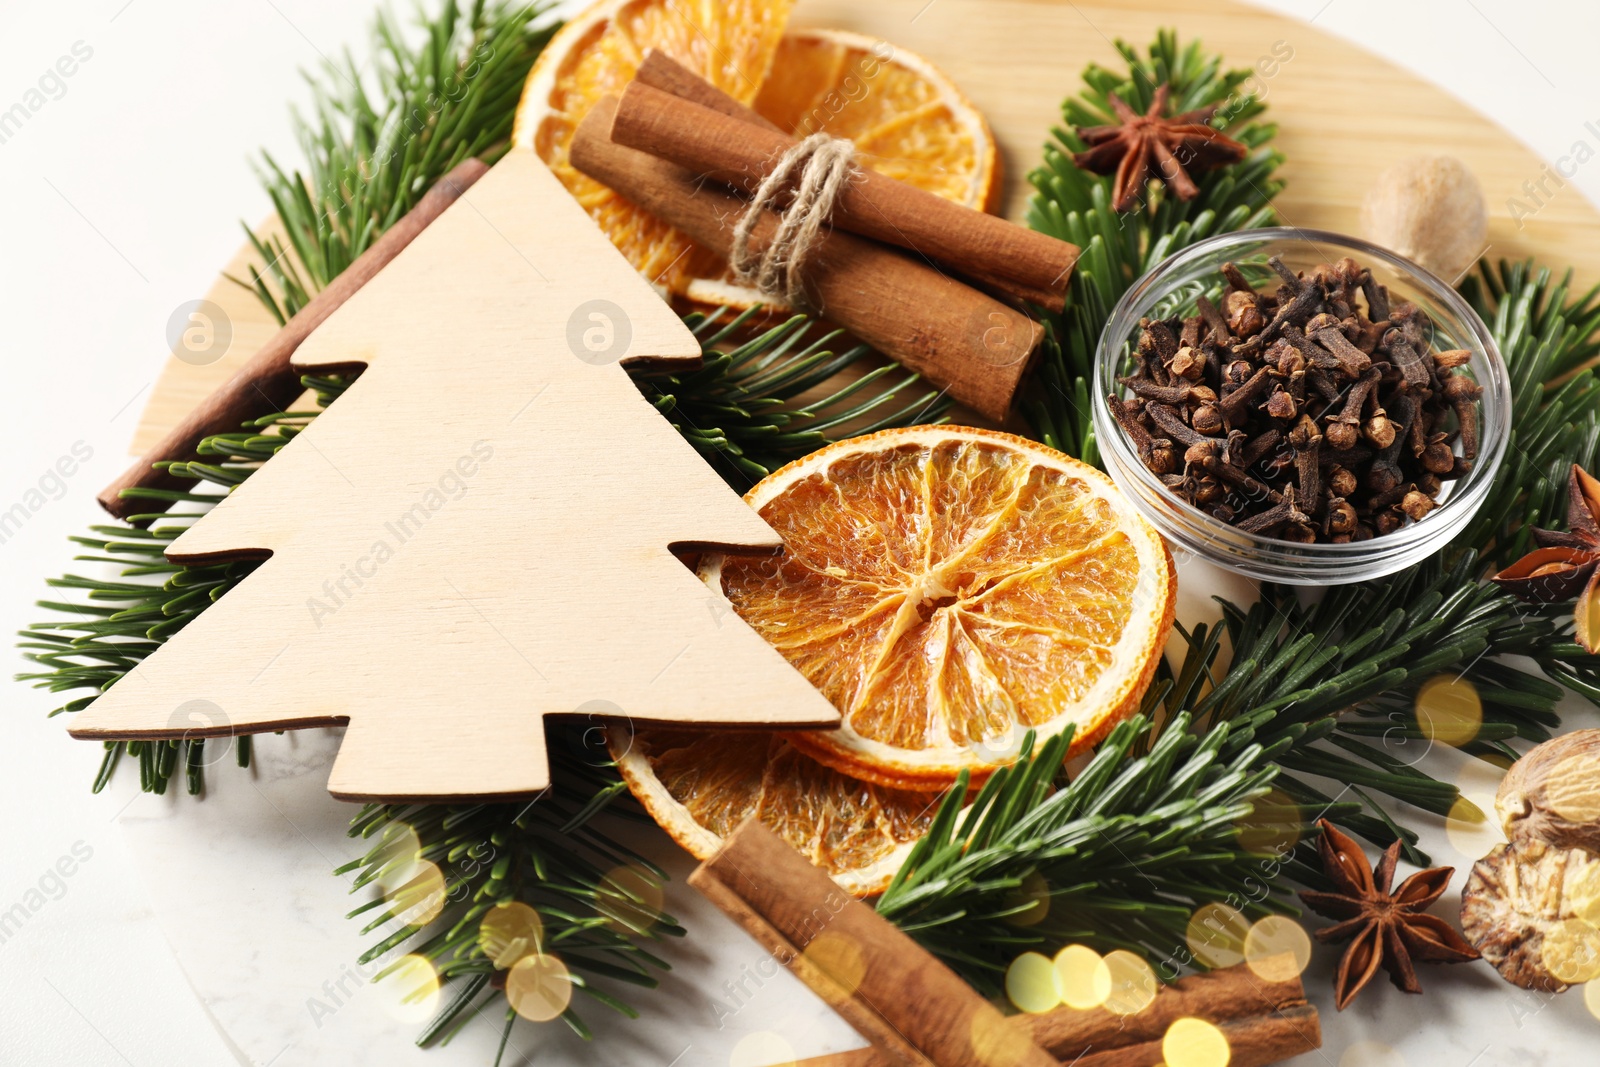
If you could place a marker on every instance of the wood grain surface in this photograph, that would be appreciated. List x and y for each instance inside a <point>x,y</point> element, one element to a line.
<point>267,382</point>
<point>475,558</point>
<point>1344,114</point>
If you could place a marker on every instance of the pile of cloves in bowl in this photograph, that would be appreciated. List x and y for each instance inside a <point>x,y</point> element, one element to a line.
<point>1314,413</point>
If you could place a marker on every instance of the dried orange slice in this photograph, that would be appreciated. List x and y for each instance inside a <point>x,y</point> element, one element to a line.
<point>949,589</point>
<point>907,118</point>
<point>700,784</point>
<point>729,43</point>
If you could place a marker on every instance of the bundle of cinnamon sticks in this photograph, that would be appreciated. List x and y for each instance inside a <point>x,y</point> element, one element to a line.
<point>904,270</point>
<point>916,1011</point>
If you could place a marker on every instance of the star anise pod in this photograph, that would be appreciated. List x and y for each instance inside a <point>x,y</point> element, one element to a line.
<point>1566,565</point>
<point>1155,147</point>
<point>1392,929</point>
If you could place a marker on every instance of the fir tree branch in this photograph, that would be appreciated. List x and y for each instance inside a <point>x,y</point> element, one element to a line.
<point>1117,248</point>
<point>1126,849</point>
<point>759,400</point>
<point>1547,338</point>
<point>1122,854</point>
<point>117,621</point>
<point>751,407</point>
<point>547,854</point>
<point>375,143</point>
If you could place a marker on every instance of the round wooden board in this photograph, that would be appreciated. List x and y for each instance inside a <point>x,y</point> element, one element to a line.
<point>1343,114</point>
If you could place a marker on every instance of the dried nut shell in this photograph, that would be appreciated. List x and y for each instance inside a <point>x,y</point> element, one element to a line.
<point>1530,910</point>
<point>1552,794</point>
<point>1430,209</point>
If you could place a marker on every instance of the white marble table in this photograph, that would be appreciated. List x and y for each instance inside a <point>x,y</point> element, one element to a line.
<point>212,933</point>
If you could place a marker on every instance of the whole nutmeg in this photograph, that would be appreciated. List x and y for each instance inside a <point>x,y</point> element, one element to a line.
<point>1552,794</point>
<point>1430,209</point>
<point>1527,907</point>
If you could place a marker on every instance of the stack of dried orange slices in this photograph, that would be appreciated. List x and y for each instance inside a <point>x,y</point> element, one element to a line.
<point>948,589</point>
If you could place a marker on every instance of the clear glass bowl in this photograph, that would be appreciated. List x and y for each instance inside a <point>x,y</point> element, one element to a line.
<point>1170,289</point>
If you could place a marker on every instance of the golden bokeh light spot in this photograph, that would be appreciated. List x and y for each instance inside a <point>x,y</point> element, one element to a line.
<point>1133,983</point>
<point>1371,1054</point>
<point>1273,826</point>
<point>509,932</point>
<point>1583,895</point>
<point>1083,980</point>
<point>1571,951</point>
<point>762,1049</point>
<point>1031,983</point>
<point>1591,998</point>
<point>840,960</point>
<point>1573,789</point>
<point>1471,827</point>
<point>1193,1042</point>
<point>632,898</point>
<point>996,1043</point>
<point>539,987</point>
<point>1216,934</point>
<point>419,900</point>
<point>409,988</point>
<point>1031,898</point>
<point>1277,949</point>
<point>1449,710</point>
<point>398,851</point>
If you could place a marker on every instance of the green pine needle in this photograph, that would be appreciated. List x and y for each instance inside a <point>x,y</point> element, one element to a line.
<point>1117,855</point>
<point>758,401</point>
<point>1115,248</point>
<point>1121,855</point>
<point>375,143</point>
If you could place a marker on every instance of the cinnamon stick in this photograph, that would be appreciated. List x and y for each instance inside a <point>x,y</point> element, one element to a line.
<point>267,383</point>
<point>1264,1022</point>
<point>972,345</point>
<point>912,1008</point>
<point>669,112</point>
<point>663,72</point>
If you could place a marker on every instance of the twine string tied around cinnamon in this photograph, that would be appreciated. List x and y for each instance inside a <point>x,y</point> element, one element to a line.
<point>824,164</point>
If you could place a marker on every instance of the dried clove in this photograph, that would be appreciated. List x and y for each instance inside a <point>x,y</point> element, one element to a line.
<point>1142,441</point>
<point>1283,511</point>
<point>1220,333</point>
<point>1377,298</point>
<point>1310,409</point>
<point>1243,313</point>
<point>1342,482</point>
<point>1406,358</point>
<point>1167,419</point>
<point>1462,394</point>
<point>1353,361</point>
<point>1344,427</point>
<point>1187,364</point>
<point>1236,405</point>
<point>1416,504</point>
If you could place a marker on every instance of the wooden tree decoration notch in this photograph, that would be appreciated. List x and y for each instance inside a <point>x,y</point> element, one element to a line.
<point>477,534</point>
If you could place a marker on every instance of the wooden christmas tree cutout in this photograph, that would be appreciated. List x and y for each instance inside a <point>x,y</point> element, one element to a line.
<point>477,534</point>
